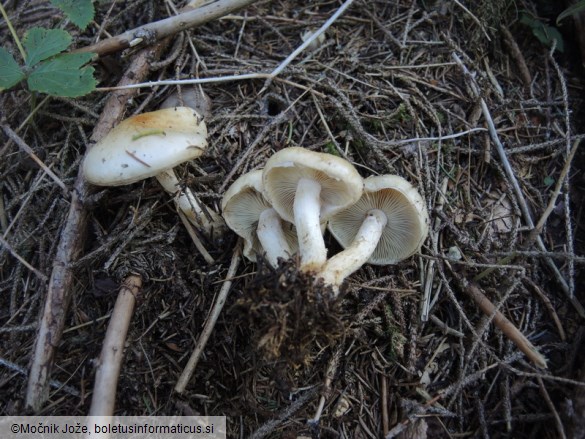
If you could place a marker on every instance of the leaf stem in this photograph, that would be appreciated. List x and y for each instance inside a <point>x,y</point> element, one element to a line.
<point>13,32</point>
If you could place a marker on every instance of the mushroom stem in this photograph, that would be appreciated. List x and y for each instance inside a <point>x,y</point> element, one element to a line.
<point>358,252</point>
<point>271,236</point>
<point>197,214</point>
<point>307,209</point>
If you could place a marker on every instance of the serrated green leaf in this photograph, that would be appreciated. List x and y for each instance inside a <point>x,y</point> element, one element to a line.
<point>64,75</point>
<point>10,72</point>
<point>573,9</point>
<point>80,12</point>
<point>40,44</point>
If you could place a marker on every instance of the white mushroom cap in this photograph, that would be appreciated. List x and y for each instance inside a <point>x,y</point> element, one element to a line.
<point>407,219</point>
<point>144,145</point>
<point>341,185</point>
<point>251,216</point>
<point>150,145</point>
<point>306,188</point>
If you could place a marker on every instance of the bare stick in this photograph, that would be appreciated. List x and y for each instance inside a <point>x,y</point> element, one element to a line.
<point>110,360</point>
<point>312,38</point>
<point>384,408</point>
<point>210,323</point>
<point>551,406</point>
<point>505,325</point>
<point>566,187</point>
<point>553,199</point>
<point>72,241</point>
<point>549,306</point>
<point>193,234</point>
<point>329,375</point>
<point>158,30</point>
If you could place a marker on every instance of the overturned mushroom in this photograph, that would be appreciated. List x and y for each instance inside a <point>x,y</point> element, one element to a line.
<point>150,145</point>
<point>387,224</point>
<point>306,188</point>
<point>249,214</point>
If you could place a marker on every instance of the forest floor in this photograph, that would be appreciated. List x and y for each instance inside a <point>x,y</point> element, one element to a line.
<point>395,87</point>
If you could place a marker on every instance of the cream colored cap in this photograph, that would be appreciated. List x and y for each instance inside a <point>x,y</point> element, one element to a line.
<point>341,185</point>
<point>144,145</point>
<point>242,205</point>
<point>407,225</point>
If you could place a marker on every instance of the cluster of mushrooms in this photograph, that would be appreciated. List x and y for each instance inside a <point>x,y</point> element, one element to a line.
<point>279,211</point>
<point>285,208</point>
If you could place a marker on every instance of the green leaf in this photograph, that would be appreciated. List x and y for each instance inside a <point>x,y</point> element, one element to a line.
<point>544,33</point>
<point>573,9</point>
<point>10,72</point>
<point>549,181</point>
<point>80,12</point>
<point>64,76</point>
<point>547,34</point>
<point>40,44</point>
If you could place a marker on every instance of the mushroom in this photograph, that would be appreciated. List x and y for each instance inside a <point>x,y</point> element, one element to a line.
<point>150,145</point>
<point>387,224</point>
<point>306,188</point>
<point>251,216</point>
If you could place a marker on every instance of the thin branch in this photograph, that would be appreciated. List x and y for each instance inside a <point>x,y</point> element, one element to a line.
<point>505,325</point>
<point>549,306</point>
<point>329,376</point>
<point>384,405</point>
<point>193,234</point>
<point>312,38</point>
<point>158,30</point>
<point>551,406</point>
<point>557,190</point>
<point>210,323</point>
<point>566,186</point>
<point>112,354</point>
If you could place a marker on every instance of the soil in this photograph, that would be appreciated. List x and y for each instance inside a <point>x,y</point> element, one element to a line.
<point>394,87</point>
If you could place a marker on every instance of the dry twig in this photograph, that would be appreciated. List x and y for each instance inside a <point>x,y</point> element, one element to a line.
<point>210,323</point>
<point>152,32</point>
<point>505,325</point>
<point>110,360</point>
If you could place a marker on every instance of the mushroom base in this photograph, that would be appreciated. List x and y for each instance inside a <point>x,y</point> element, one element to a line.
<point>288,314</point>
